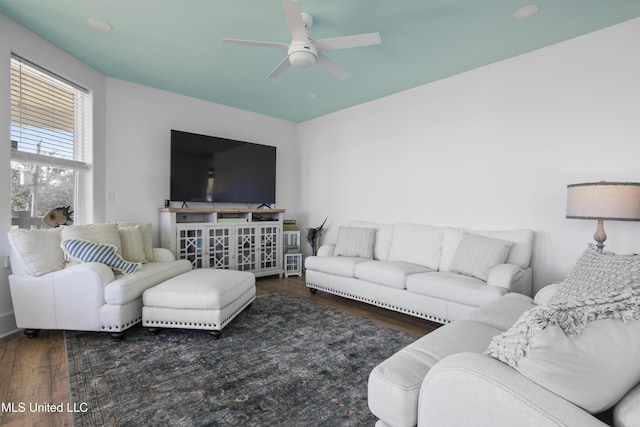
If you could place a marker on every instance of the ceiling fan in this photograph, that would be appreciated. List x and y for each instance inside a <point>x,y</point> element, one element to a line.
<point>303,52</point>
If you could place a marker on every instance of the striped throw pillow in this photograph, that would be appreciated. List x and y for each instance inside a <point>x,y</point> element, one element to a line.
<point>476,255</point>
<point>87,251</point>
<point>355,242</point>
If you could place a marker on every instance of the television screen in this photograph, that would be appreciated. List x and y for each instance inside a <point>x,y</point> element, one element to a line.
<point>211,169</point>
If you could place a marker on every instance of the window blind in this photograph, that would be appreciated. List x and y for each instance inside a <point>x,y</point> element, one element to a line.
<point>50,118</point>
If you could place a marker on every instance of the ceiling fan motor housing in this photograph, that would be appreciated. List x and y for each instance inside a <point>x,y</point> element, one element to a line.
<point>302,55</point>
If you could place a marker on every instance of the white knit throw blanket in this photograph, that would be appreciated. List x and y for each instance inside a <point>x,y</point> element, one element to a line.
<point>571,316</point>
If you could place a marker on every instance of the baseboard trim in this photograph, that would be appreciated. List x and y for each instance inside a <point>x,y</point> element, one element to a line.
<point>8,324</point>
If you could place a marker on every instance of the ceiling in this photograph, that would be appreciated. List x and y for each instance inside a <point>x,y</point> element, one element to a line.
<point>175,45</point>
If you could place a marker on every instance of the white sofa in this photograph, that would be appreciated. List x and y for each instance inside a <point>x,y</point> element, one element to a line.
<point>49,292</point>
<point>435,273</point>
<point>462,373</point>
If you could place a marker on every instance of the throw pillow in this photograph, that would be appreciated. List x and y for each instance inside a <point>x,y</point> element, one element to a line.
<point>583,350</point>
<point>98,233</point>
<point>599,273</point>
<point>147,237</point>
<point>476,255</point>
<point>132,244</point>
<point>37,250</point>
<point>86,251</point>
<point>355,242</point>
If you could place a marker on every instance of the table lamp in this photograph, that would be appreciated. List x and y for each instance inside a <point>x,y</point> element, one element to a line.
<point>617,201</point>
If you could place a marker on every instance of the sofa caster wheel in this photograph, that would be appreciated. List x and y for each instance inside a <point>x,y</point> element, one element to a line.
<point>117,336</point>
<point>31,333</point>
<point>216,334</point>
<point>153,331</point>
<point>313,291</point>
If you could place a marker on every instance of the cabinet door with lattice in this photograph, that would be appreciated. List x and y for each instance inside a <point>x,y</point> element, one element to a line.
<point>270,247</point>
<point>220,247</point>
<point>190,245</point>
<point>246,249</point>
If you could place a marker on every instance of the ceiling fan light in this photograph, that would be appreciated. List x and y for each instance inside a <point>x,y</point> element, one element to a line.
<point>302,59</point>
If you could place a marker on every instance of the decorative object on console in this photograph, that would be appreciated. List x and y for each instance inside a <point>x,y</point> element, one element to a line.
<point>618,201</point>
<point>313,236</point>
<point>58,216</point>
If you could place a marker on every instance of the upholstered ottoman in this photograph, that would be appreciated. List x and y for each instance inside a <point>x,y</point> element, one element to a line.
<point>204,298</point>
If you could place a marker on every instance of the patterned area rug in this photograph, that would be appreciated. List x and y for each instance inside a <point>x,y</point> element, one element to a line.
<point>286,361</point>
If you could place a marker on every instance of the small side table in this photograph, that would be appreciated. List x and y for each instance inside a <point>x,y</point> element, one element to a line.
<point>292,265</point>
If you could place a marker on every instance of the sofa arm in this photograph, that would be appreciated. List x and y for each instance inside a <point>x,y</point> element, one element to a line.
<point>544,295</point>
<point>163,255</point>
<point>328,249</point>
<point>511,277</point>
<point>65,299</point>
<point>467,389</point>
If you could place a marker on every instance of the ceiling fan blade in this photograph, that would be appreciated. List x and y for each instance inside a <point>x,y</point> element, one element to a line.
<point>256,43</point>
<point>294,19</point>
<point>333,68</point>
<point>280,68</point>
<point>345,42</point>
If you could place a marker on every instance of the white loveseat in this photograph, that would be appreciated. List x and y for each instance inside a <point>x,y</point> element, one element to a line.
<point>435,273</point>
<point>51,292</point>
<point>568,360</point>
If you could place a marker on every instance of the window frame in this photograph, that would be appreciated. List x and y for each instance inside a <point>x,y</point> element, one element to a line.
<point>81,163</point>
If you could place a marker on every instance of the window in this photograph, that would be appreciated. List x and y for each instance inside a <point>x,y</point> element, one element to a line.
<point>50,143</point>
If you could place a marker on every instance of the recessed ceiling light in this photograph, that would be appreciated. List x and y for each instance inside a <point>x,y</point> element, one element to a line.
<point>526,12</point>
<point>100,25</point>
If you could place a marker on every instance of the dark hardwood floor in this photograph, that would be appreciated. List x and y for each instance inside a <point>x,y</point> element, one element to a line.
<point>34,371</point>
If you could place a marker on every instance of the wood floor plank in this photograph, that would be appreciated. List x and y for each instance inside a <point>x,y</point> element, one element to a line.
<point>34,371</point>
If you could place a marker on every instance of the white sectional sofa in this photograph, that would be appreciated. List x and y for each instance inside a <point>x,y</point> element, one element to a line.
<point>435,273</point>
<point>51,292</point>
<point>567,358</point>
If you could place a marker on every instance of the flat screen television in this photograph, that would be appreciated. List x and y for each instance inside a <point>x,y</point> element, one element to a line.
<point>219,170</point>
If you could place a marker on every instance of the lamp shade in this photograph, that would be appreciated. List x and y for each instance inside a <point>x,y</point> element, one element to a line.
<point>618,201</point>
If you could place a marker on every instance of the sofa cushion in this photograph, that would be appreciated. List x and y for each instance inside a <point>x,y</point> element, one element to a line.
<point>388,273</point>
<point>520,253</point>
<point>355,242</point>
<point>454,287</point>
<point>476,255</point>
<point>38,251</point>
<point>336,265</point>
<point>584,350</point>
<point>98,233</point>
<point>544,295</point>
<point>599,273</point>
<point>128,288</point>
<point>503,312</point>
<point>416,244</point>
<point>86,251</point>
<point>394,384</point>
<point>132,244</point>
<point>147,237</point>
<point>382,241</point>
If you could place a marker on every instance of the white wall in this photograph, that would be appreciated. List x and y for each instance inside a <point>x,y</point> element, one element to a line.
<point>492,148</point>
<point>139,121</point>
<point>16,39</point>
